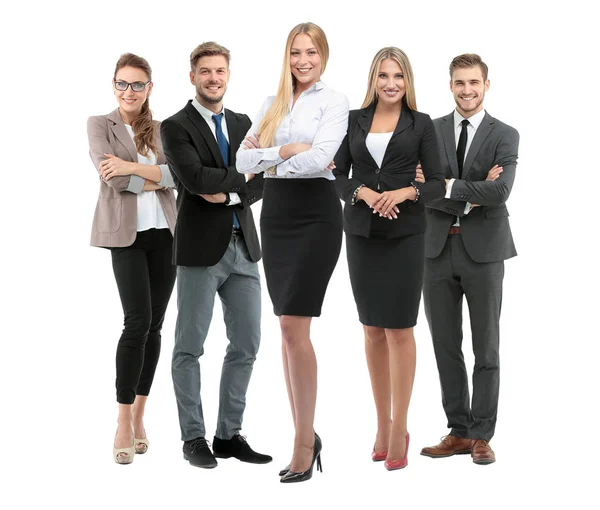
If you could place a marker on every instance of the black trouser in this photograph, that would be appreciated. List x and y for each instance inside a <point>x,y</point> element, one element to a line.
<point>145,278</point>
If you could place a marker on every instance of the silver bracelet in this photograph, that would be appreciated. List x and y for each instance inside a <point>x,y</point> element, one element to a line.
<point>355,194</point>
<point>417,190</point>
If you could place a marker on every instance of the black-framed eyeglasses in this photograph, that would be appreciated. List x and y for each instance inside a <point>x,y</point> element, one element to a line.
<point>136,86</point>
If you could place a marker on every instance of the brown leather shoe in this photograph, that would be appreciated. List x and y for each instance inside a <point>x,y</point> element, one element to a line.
<point>482,452</point>
<point>450,445</point>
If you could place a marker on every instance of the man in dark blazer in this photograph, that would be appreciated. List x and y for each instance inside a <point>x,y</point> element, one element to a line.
<point>216,251</point>
<point>467,239</point>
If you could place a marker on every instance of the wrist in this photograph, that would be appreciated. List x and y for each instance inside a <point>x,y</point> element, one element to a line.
<point>359,194</point>
<point>227,199</point>
<point>412,192</point>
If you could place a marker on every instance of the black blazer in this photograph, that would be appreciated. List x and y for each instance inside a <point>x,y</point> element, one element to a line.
<point>413,141</point>
<point>203,229</point>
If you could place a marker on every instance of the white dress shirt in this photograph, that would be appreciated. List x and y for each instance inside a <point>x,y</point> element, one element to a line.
<point>149,211</point>
<point>207,116</point>
<point>318,118</point>
<point>474,123</point>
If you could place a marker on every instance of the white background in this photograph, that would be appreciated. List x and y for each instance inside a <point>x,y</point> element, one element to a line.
<point>61,315</point>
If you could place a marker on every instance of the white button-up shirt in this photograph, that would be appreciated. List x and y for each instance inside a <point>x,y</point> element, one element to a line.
<point>319,118</point>
<point>474,123</point>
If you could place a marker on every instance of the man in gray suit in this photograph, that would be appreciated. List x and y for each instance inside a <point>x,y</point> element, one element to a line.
<point>468,238</point>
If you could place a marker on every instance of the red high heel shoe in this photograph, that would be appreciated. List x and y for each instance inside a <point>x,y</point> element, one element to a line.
<point>378,456</point>
<point>391,465</point>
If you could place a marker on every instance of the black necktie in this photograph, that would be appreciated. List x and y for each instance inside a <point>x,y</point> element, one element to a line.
<point>224,148</point>
<point>462,145</point>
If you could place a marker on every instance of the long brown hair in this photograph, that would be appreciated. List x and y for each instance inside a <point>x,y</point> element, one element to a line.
<point>281,105</point>
<point>143,127</point>
<point>400,57</point>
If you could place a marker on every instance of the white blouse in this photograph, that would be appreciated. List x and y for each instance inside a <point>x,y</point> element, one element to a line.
<point>377,145</point>
<point>149,211</point>
<point>319,118</point>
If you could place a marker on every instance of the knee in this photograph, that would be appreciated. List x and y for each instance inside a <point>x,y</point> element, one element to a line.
<point>374,336</point>
<point>293,333</point>
<point>137,326</point>
<point>399,337</point>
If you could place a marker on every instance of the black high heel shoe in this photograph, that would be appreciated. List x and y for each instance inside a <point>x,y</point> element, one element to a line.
<point>292,477</point>
<point>287,468</point>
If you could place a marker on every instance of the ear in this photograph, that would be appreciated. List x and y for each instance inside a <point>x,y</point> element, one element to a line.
<point>451,88</point>
<point>487,85</point>
<point>192,78</point>
<point>150,89</point>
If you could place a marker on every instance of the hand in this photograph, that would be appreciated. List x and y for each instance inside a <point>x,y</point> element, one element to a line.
<point>370,197</point>
<point>217,198</point>
<point>250,177</point>
<point>419,174</point>
<point>251,142</point>
<point>330,166</point>
<point>291,149</point>
<point>113,166</point>
<point>386,205</point>
<point>494,173</point>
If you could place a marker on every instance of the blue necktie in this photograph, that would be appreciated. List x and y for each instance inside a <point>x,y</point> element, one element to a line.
<point>224,148</point>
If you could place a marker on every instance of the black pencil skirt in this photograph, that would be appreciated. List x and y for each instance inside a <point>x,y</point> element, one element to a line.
<point>301,235</point>
<point>387,279</point>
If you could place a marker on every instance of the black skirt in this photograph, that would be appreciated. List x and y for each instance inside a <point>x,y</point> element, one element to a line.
<point>301,236</point>
<point>387,279</point>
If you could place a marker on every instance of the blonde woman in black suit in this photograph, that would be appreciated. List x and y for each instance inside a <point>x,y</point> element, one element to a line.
<point>384,221</point>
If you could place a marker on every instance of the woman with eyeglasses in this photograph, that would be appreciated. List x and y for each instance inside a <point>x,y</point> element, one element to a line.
<point>135,219</point>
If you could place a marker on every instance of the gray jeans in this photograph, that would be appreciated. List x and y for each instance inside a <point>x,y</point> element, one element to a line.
<point>236,279</point>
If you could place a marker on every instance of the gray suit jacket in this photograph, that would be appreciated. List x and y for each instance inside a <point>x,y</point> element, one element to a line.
<point>485,230</point>
<point>115,219</point>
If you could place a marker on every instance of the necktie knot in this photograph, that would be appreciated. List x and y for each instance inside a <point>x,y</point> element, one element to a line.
<point>464,122</point>
<point>217,119</point>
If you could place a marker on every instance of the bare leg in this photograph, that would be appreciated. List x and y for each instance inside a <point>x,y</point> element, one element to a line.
<point>376,349</point>
<point>403,355</point>
<point>124,436</point>
<point>288,385</point>
<point>302,370</point>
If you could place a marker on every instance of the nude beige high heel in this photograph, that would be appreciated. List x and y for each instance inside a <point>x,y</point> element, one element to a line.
<point>124,455</point>
<point>141,445</point>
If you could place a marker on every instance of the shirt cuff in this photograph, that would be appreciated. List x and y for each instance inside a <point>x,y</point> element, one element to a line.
<point>467,208</point>
<point>270,157</point>
<point>449,188</point>
<point>136,184</point>
<point>234,199</point>
<point>166,181</point>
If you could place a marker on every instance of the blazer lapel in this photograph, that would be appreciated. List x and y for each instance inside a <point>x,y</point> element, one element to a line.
<point>484,129</point>
<point>364,123</point>
<point>449,140</point>
<point>121,134</point>
<point>234,135</point>
<point>202,127</point>
<point>404,122</point>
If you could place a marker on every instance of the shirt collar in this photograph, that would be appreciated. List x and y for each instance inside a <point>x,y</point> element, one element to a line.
<point>205,112</point>
<point>474,120</point>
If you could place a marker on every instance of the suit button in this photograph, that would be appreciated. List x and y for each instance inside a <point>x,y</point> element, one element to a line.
<point>377,171</point>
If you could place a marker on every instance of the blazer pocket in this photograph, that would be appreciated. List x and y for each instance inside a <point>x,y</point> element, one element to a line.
<point>496,213</point>
<point>108,215</point>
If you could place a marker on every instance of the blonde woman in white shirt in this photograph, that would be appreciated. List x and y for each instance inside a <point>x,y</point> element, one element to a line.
<point>293,140</point>
<point>135,219</point>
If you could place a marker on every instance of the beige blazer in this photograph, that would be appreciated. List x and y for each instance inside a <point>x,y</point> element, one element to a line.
<point>115,219</point>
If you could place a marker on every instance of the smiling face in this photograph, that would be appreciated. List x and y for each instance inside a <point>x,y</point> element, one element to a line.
<point>390,82</point>
<point>210,79</point>
<point>469,88</point>
<point>305,62</point>
<point>131,102</point>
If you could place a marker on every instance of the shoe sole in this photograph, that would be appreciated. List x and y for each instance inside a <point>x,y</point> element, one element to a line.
<point>212,466</point>
<point>224,456</point>
<point>484,462</point>
<point>442,456</point>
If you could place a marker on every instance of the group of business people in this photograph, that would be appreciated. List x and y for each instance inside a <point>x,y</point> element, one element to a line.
<point>424,211</point>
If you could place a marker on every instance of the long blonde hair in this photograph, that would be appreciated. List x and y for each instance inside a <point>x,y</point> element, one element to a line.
<point>400,57</point>
<point>287,81</point>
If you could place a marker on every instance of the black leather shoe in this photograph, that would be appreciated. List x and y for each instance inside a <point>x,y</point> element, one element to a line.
<point>292,477</point>
<point>239,448</point>
<point>198,453</point>
<point>287,468</point>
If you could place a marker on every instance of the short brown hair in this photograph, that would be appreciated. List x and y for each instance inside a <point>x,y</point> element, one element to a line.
<point>208,49</point>
<point>469,60</point>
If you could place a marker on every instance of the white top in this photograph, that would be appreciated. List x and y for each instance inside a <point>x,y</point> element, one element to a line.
<point>319,118</point>
<point>474,123</point>
<point>149,211</point>
<point>377,144</point>
<point>207,116</point>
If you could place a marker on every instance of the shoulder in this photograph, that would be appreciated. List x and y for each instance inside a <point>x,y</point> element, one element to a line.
<point>176,118</point>
<point>504,128</point>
